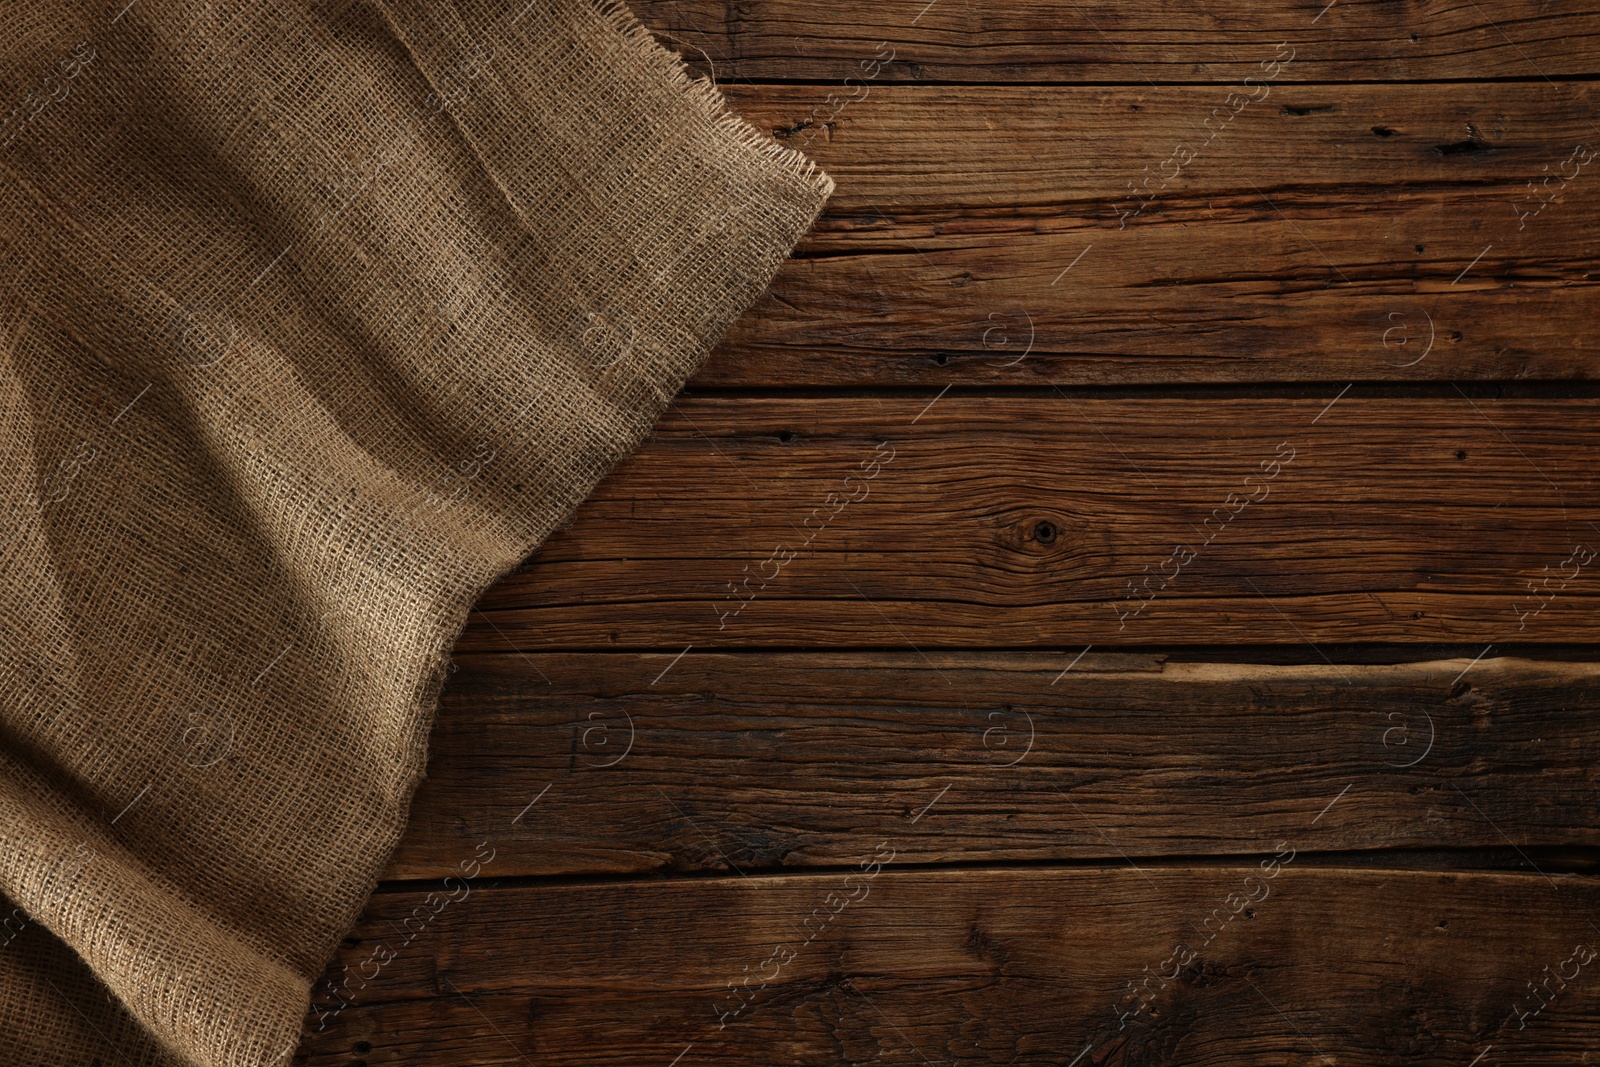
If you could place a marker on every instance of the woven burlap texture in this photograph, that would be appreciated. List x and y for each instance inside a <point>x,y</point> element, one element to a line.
<point>315,318</point>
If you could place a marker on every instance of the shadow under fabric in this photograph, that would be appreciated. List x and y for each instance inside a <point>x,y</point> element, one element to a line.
<point>314,319</point>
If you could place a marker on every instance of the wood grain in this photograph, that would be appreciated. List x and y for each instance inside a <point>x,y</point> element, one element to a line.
<point>593,763</point>
<point>1102,40</point>
<point>843,839</point>
<point>1059,522</point>
<point>1005,236</point>
<point>1304,965</point>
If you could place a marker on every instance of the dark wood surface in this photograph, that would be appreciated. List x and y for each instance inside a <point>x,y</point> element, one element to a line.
<point>1125,596</point>
<point>1321,232</point>
<point>1058,522</point>
<point>1073,41</point>
<point>1223,965</point>
<point>792,759</point>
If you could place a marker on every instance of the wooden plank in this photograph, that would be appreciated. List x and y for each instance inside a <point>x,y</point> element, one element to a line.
<point>593,763</point>
<point>1057,522</point>
<point>1101,40</point>
<point>1269,962</point>
<point>1006,236</point>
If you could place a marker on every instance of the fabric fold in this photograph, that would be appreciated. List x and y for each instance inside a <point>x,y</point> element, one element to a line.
<point>314,320</point>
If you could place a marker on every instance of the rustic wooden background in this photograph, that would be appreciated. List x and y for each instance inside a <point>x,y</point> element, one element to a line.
<point>1128,594</point>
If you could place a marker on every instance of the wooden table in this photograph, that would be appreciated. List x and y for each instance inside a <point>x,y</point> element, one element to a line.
<point>1127,595</point>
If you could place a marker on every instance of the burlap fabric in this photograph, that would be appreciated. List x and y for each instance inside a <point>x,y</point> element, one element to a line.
<point>314,318</point>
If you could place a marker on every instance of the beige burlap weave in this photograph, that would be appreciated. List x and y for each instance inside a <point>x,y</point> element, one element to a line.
<point>314,318</point>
